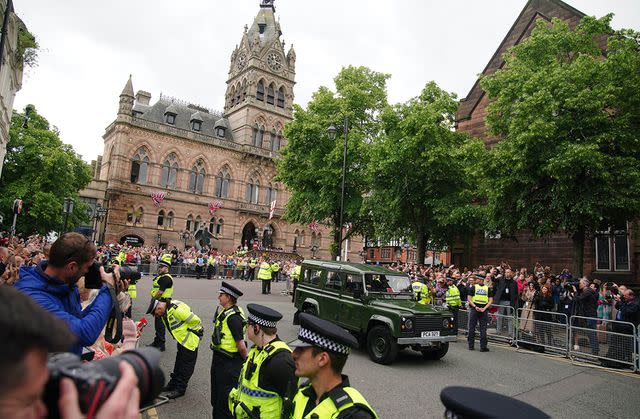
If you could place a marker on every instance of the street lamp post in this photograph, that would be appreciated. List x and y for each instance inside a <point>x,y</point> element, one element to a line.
<point>67,209</point>
<point>101,214</point>
<point>331,131</point>
<point>186,235</point>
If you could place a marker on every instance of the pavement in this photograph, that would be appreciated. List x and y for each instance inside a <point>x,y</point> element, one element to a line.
<point>410,387</point>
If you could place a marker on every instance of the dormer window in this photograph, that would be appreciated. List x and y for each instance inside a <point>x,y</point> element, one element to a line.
<point>136,114</point>
<point>170,118</point>
<point>196,125</point>
<point>220,131</point>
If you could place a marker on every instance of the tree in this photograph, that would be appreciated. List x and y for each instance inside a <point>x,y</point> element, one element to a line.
<point>567,107</point>
<point>42,170</point>
<point>424,176</point>
<point>311,164</point>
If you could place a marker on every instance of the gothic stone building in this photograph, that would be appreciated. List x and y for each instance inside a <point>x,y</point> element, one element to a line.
<point>197,156</point>
<point>612,255</point>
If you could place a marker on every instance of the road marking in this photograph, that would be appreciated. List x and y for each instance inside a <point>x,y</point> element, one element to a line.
<point>152,413</point>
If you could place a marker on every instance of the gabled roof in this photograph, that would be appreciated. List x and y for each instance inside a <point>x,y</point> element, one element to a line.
<point>534,9</point>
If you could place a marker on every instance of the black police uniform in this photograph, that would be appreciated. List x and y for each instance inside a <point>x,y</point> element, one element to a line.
<point>480,319</point>
<point>474,403</point>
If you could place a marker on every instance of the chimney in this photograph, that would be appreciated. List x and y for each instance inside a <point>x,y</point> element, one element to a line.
<point>143,97</point>
<point>96,173</point>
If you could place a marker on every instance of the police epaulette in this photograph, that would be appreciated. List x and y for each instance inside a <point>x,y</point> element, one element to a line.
<point>340,397</point>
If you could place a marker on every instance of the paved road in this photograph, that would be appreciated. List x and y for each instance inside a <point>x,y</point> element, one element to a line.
<point>410,387</point>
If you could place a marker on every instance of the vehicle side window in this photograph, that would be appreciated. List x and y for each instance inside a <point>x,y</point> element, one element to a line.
<point>376,283</point>
<point>312,276</point>
<point>354,283</point>
<point>334,281</point>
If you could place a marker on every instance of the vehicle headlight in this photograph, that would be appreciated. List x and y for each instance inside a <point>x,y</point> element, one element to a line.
<point>445,323</point>
<point>408,324</point>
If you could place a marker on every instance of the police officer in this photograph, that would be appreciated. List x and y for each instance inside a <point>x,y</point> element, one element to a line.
<point>275,270</point>
<point>452,299</point>
<point>268,375</point>
<point>161,290</point>
<point>264,274</point>
<point>253,262</point>
<point>320,353</point>
<point>480,298</point>
<point>229,349</point>
<point>421,292</point>
<point>295,277</point>
<point>211,261</point>
<point>186,328</point>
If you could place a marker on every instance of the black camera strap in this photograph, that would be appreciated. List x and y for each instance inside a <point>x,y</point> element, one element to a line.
<point>115,319</point>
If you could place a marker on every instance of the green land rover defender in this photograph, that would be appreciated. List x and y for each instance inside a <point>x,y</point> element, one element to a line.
<point>376,305</point>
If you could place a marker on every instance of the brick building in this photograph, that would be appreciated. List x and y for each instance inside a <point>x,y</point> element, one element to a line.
<point>197,156</point>
<point>612,255</point>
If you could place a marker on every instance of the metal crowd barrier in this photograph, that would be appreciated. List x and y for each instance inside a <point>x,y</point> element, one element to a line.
<point>543,329</point>
<point>501,325</point>
<point>613,345</point>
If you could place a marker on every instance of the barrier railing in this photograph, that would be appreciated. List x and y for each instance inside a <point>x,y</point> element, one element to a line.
<point>500,326</point>
<point>614,345</point>
<point>543,329</point>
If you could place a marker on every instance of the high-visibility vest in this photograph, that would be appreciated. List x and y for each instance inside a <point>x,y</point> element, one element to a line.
<point>155,287</point>
<point>481,295</point>
<point>265,271</point>
<point>221,327</point>
<point>421,292</point>
<point>132,290</point>
<point>253,263</point>
<point>339,399</point>
<point>211,261</point>
<point>267,403</point>
<point>295,273</point>
<point>182,323</point>
<point>275,267</point>
<point>452,296</point>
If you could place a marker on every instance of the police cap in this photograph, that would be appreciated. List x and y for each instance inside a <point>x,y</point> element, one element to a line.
<point>227,288</point>
<point>324,335</point>
<point>474,403</point>
<point>263,316</point>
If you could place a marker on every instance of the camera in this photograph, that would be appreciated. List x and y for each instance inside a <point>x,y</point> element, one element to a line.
<point>96,381</point>
<point>92,278</point>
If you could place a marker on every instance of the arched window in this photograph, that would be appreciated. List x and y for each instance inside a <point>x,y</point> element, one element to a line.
<point>238,95</point>
<point>253,190</point>
<point>140,166</point>
<point>260,91</point>
<point>258,136</point>
<point>271,195</point>
<point>270,94</point>
<point>130,217</point>
<point>169,171</point>
<point>196,226</point>
<point>222,184</point>
<point>161,218</point>
<point>302,238</point>
<point>275,141</point>
<point>139,217</point>
<point>196,177</point>
<point>281,97</point>
<point>169,221</point>
<point>212,226</point>
<point>189,224</point>
<point>233,97</point>
<point>219,227</point>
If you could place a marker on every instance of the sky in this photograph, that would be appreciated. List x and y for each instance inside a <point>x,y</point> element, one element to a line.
<point>182,49</point>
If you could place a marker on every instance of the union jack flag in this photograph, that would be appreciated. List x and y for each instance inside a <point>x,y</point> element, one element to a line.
<point>214,206</point>
<point>272,209</point>
<point>314,225</point>
<point>157,198</point>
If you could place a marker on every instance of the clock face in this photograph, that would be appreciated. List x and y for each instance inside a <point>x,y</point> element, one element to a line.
<point>274,61</point>
<point>241,61</point>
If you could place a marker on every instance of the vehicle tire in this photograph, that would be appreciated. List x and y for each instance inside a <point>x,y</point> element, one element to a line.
<point>309,309</point>
<point>437,353</point>
<point>381,345</point>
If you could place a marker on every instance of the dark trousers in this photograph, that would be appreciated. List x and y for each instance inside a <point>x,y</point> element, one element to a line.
<point>224,377</point>
<point>479,318</point>
<point>209,271</point>
<point>454,312</point>
<point>160,329</point>
<point>251,274</point>
<point>183,368</point>
<point>266,286</point>
<point>293,293</point>
<point>199,271</point>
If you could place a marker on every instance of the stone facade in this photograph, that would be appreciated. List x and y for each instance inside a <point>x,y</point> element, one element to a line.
<point>197,156</point>
<point>523,250</point>
<point>10,75</point>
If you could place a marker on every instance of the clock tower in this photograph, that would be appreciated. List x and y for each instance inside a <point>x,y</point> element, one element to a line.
<point>259,96</point>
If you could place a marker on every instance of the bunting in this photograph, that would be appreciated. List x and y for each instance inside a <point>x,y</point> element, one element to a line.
<point>157,198</point>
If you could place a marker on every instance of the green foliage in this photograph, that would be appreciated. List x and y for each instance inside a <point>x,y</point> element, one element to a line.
<point>27,51</point>
<point>42,170</point>
<point>568,113</point>
<point>311,163</point>
<point>424,177</point>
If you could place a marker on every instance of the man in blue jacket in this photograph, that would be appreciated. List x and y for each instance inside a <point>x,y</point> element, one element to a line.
<point>53,286</point>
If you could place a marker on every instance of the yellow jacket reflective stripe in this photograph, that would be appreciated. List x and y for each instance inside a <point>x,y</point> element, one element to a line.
<point>265,271</point>
<point>481,294</point>
<point>132,290</point>
<point>452,296</point>
<point>155,287</point>
<point>182,323</point>
<point>227,344</point>
<point>329,408</point>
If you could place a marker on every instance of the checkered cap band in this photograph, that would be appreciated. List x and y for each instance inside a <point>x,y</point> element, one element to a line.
<point>261,322</point>
<point>323,342</point>
<point>228,291</point>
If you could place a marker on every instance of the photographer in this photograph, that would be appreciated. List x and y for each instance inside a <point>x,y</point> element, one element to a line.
<point>27,334</point>
<point>53,286</point>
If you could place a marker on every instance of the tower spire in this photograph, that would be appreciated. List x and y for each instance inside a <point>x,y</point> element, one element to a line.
<point>126,99</point>
<point>268,3</point>
<point>128,88</point>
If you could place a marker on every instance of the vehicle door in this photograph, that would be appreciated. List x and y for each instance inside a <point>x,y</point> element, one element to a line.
<point>352,310</point>
<point>332,294</point>
<point>310,286</point>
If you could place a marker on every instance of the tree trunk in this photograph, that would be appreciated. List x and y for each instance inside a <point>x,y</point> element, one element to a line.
<point>420,243</point>
<point>578,252</point>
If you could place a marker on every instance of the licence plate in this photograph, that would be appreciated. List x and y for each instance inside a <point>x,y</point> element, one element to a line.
<point>433,334</point>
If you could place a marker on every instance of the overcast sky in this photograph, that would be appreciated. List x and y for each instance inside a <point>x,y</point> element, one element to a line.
<point>182,49</point>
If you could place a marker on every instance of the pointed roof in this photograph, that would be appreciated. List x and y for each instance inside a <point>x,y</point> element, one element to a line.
<point>521,28</point>
<point>128,88</point>
<point>267,19</point>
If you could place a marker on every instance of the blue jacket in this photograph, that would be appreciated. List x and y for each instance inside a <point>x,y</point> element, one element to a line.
<point>64,301</point>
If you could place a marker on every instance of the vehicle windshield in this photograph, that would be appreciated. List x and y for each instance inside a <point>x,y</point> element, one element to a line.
<point>387,283</point>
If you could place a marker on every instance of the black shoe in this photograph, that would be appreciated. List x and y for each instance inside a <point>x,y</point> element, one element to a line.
<point>484,349</point>
<point>471,348</point>
<point>159,346</point>
<point>168,388</point>
<point>173,394</point>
